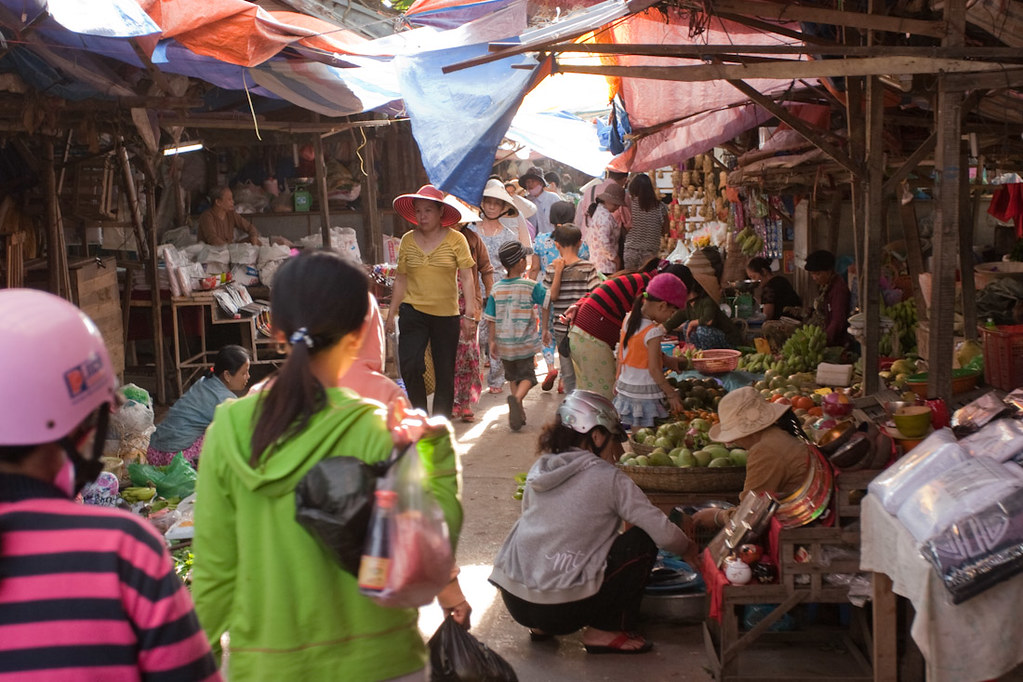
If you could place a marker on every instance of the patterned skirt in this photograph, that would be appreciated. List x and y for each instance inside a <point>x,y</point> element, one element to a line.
<point>594,363</point>
<point>161,458</point>
<point>468,385</point>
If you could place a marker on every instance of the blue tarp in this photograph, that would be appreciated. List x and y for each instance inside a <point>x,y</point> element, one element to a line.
<point>459,119</point>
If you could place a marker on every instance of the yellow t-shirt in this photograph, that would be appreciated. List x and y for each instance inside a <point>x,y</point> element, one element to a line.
<point>432,278</point>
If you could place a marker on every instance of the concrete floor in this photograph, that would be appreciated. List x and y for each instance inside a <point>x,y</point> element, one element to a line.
<point>491,455</point>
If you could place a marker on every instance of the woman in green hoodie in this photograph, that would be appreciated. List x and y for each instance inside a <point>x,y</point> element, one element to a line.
<point>291,611</point>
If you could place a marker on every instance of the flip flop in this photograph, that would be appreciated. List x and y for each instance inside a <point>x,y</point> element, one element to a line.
<point>516,415</point>
<point>615,646</point>
<point>468,417</point>
<point>539,636</point>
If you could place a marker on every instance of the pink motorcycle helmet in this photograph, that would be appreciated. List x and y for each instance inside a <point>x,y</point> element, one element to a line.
<point>54,366</point>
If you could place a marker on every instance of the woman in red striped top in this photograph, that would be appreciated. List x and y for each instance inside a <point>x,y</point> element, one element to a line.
<point>86,593</point>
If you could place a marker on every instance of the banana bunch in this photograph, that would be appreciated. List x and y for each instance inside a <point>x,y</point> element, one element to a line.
<point>905,318</point>
<point>756,362</point>
<point>750,243</point>
<point>804,350</point>
<point>139,493</point>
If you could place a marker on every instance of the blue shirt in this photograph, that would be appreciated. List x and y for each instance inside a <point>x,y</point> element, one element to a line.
<point>546,250</point>
<point>188,418</point>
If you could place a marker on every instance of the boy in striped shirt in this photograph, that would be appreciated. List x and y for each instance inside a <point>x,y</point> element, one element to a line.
<point>514,334</point>
<point>568,278</point>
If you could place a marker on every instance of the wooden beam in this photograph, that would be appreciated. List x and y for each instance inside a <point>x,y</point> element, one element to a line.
<point>966,263</point>
<point>790,69</point>
<point>158,76</point>
<point>914,256</point>
<point>152,274</point>
<point>813,135</point>
<point>131,192</point>
<point>996,80</point>
<point>701,51</point>
<point>244,122</point>
<point>766,27</point>
<point>791,12</point>
<point>903,171</point>
<point>52,226</point>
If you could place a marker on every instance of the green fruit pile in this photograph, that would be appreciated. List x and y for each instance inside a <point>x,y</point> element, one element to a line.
<point>756,362</point>
<point>750,243</point>
<point>683,444</point>
<point>905,317</point>
<point>803,351</point>
<point>698,394</point>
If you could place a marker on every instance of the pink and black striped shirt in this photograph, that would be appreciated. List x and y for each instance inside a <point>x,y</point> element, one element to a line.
<point>90,593</point>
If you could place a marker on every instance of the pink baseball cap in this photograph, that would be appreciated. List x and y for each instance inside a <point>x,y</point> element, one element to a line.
<point>668,288</point>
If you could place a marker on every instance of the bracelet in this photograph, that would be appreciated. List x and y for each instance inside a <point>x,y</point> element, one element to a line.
<point>716,521</point>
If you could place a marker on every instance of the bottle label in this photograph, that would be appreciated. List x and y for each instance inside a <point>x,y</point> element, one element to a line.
<point>373,573</point>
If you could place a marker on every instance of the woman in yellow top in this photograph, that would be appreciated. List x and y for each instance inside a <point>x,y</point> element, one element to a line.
<point>425,295</point>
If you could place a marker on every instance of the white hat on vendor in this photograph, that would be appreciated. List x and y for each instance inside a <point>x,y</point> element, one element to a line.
<point>404,205</point>
<point>703,272</point>
<point>743,412</point>
<point>494,189</point>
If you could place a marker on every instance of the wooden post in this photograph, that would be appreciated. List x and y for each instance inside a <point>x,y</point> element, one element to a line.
<point>885,650</point>
<point>153,270</point>
<point>133,203</point>
<point>948,120</point>
<point>321,190</point>
<point>914,256</point>
<point>54,256</point>
<point>370,203</point>
<point>870,276</point>
<point>857,150</point>
<point>966,214</point>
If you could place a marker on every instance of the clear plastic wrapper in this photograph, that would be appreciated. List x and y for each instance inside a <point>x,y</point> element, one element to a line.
<point>1001,440</point>
<point>972,417</point>
<point>937,453</point>
<point>959,492</point>
<point>1015,401</point>
<point>980,550</point>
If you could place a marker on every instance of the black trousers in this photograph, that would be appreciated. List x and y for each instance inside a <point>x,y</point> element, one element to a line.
<point>614,608</point>
<point>415,330</point>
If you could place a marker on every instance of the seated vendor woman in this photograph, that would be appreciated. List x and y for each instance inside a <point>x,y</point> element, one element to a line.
<point>702,322</point>
<point>831,307</point>
<point>776,292</point>
<point>778,455</point>
<point>220,225</point>
<point>184,427</point>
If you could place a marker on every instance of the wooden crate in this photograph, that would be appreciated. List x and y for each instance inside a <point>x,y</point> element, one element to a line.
<point>94,290</point>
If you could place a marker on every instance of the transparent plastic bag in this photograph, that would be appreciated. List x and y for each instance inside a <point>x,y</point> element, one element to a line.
<point>937,453</point>
<point>962,490</point>
<point>421,559</point>
<point>1001,440</point>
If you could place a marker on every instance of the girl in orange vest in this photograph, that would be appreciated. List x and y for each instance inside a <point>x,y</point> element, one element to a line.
<point>641,388</point>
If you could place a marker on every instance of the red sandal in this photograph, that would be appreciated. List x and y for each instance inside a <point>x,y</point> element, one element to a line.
<point>615,646</point>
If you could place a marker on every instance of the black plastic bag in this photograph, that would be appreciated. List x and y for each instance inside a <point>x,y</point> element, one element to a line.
<point>457,656</point>
<point>333,502</point>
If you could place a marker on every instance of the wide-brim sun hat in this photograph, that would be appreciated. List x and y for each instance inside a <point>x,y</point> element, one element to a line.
<point>466,214</point>
<point>525,207</point>
<point>703,272</point>
<point>743,412</point>
<point>612,193</point>
<point>668,288</point>
<point>495,190</point>
<point>404,205</point>
<point>535,172</point>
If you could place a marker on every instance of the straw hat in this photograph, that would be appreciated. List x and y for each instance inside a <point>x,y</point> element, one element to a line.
<point>495,190</point>
<point>466,214</point>
<point>612,193</point>
<point>526,207</point>
<point>743,412</point>
<point>535,172</point>
<point>403,205</point>
<point>703,272</point>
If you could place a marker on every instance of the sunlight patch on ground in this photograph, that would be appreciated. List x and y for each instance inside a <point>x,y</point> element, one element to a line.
<point>493,414</point>
<point>480,594</point>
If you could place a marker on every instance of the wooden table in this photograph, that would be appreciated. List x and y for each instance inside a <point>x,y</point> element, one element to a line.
<point>262,350</point>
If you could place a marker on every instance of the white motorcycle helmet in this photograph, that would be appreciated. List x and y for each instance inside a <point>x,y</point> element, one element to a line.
<point>582,411</point>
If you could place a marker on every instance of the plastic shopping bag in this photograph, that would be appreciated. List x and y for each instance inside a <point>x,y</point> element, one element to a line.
<point>177,479</point>
<point>420,556</point>
<point>457,656</point>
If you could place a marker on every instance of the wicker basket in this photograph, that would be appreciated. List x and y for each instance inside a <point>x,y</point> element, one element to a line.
<point>688,480</point>
<point>716,361</point>
<point>639,448</point>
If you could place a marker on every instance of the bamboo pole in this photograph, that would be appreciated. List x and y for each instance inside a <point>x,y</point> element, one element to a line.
<point>321,191</point>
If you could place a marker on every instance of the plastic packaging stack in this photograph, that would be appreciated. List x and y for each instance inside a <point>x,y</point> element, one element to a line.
<point>935,455</point>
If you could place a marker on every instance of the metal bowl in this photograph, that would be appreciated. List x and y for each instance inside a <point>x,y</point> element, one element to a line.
<point>853,452</point>
<point>836,437</point>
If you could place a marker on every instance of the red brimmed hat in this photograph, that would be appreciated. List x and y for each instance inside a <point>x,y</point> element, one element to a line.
<point>403,205</point>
